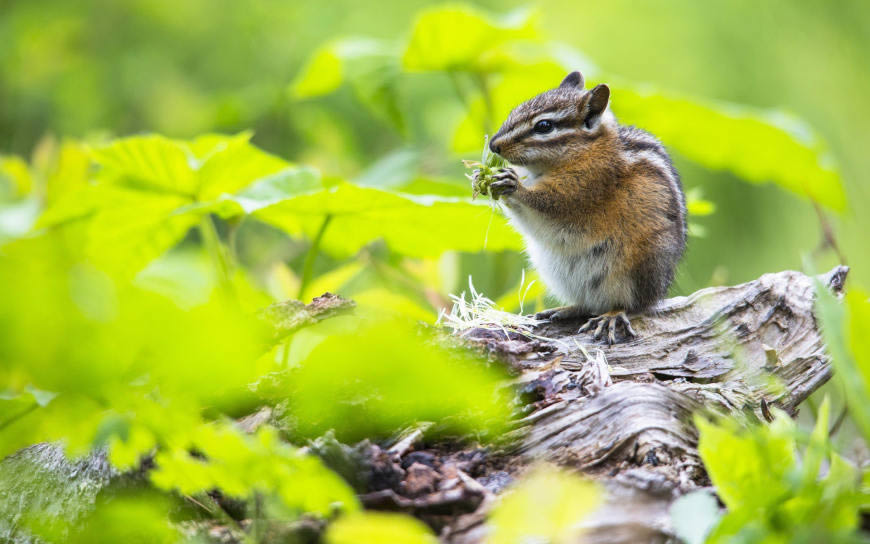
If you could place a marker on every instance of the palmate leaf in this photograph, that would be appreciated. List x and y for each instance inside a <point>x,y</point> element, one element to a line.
<point>241,465</point>
<point>756,145</point>
<point>201,170</point>
<point>132,228</point>
<point>151,190</point>
<point>233,165</point>
<point>271,189</point>
<point>151,162</point>
<point>103,348</point>
<point>413,225</point>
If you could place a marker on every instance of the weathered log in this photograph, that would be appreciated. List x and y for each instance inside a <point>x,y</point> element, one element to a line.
<point>715,350</point>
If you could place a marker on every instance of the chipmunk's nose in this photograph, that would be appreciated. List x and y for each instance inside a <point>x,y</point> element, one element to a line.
<point>495,147</point>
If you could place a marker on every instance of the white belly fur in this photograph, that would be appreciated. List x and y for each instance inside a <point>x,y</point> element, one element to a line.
<point>563,259</point>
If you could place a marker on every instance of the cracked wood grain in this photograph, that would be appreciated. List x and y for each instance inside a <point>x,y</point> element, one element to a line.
<point>723,349</point>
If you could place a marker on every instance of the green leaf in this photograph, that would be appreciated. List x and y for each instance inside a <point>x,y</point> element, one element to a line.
<point>288,183</point>
<point>547,505</point>
<point>696,204</point>
<point>462,38</point>
<point>757,145</point>
<point>151,162</point>
<point>272,189</point>
<point>844,329</point>
<point>768,494</point>
<point>440,187</point>
<point>858,319</point>
<point>325,70</point>
<point>152,191</point>
<point>131,518</point>
<point>69,173</point>
<point>15,178</point>
<point>206,145</point>
<point>125,453</point>
<point>372,370</point>
<point>234,165</point>
<point>132,228</point>
<point>377,528</point>
<point>322,74</point>
<point>392,170</point>
<point>242,465</point>
<point>415,226</point>
<point>747,469</point>
<point>370,66</point>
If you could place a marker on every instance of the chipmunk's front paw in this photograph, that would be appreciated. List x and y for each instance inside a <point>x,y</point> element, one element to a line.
<point>505,183</point>
<point>614,327</point>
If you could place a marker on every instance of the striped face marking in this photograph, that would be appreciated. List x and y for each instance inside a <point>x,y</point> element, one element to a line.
<point>541,129</point>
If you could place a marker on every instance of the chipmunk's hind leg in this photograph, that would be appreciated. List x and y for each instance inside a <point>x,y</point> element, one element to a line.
<point>564,313</point>
<point>607,327</point>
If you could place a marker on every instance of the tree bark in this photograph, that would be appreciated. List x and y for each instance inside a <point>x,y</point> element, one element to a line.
<point>622,414</point>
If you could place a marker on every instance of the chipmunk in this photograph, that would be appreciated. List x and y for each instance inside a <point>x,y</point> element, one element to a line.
<point>601,207</point>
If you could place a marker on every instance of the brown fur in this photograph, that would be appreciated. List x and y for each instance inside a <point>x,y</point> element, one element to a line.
<point>601,190</point>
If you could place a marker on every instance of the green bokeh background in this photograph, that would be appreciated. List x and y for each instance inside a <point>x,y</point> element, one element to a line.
<point>182,68</point>
<point>96,69</point>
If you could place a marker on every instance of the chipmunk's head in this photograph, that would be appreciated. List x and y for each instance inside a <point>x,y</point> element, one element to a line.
<point>554,124</point>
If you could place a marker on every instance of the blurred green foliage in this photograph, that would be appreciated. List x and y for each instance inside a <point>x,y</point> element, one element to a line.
<point>132,265</point>
<point>374,527</point>
<point>769,494</point>
<point>548,505</point>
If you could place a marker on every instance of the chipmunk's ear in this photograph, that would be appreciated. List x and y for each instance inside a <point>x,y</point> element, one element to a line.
<point>598,98</point>
<point>574,79</point>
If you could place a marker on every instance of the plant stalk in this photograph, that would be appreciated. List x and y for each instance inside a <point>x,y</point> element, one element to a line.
<point>217,251</point>
<point>457,88</point>
<point>19,415</point>
<point>311,256</point>
<point>489,116</point>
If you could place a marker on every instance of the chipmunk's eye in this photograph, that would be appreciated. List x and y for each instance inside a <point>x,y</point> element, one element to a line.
<point>544,126</point>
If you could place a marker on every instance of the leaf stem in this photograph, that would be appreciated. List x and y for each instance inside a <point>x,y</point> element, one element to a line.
<point>19,415</point>
<point>311,256</point>
<point>216,250</point>
<point>829,237</point>
<point>457,88</point>
<point>232,240</point>
<point>483,84</point>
